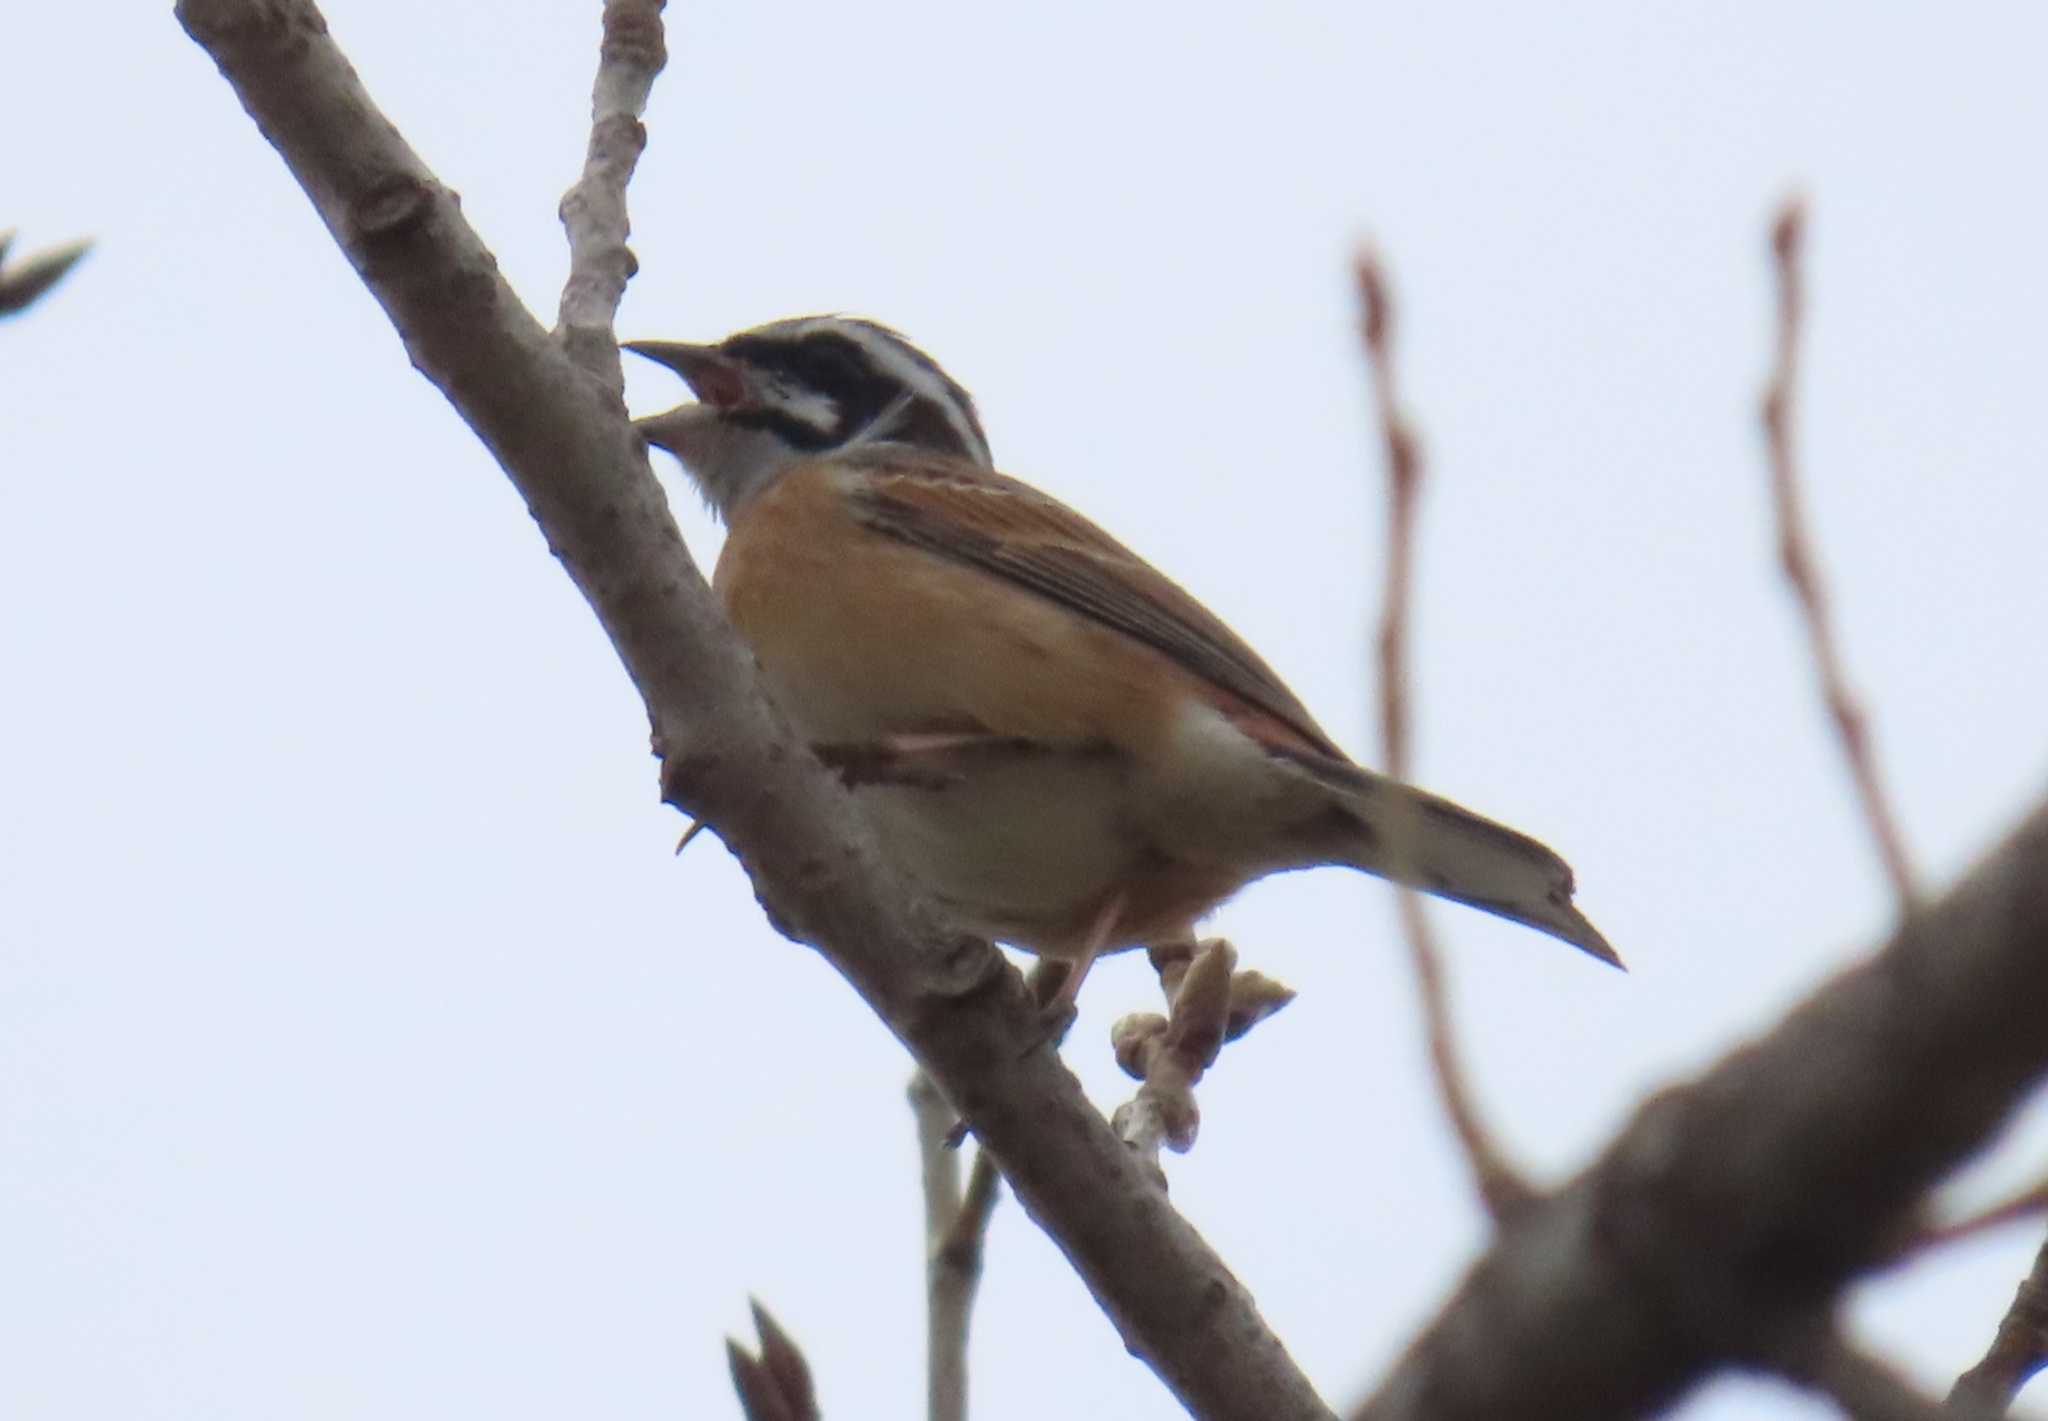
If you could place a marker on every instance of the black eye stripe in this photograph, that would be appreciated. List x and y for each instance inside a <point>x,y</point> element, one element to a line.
<point>826,362</point>
<point>864,380</point>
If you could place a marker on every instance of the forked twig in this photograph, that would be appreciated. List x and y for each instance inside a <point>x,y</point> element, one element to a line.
<point>2020,1348</point>
<point>962,1245</point>
<point>1501,1187</point>
<point>1796,557</point>
<point>955,1226</point>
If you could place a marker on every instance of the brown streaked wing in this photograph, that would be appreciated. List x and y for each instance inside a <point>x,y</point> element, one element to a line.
<point>1000,525</point>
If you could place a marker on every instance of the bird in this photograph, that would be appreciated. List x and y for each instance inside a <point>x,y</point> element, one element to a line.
<point>1063,749</point>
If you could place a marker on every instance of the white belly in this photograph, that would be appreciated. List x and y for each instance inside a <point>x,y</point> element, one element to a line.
<point>1031,847</point>
<point>1019,851</point>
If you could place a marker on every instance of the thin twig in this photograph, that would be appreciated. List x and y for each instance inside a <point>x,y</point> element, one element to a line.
<point>963,1244</point>
<point>2010,1210</point>
<point>593,211</point>
<point>1796,556</point>
<point>2017,1351</point>
<point>1501,1187</point>
<point>938,1156</point>
<point>946,1311</point>
<point>954,1281</point>
<point>955,1224</point>
<point>2021,1345</point>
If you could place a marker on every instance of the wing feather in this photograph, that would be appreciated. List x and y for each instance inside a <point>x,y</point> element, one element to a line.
<point>1006,528</point>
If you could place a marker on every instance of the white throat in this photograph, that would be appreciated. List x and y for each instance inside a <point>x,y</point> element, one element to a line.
<point>730,463</point>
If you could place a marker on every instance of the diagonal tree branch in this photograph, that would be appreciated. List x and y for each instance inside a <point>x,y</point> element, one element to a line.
<point>1733,1210</point>
<point>562,437</point>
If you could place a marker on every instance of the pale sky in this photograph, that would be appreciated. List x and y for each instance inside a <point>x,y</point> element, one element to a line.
<point>365,1053</point>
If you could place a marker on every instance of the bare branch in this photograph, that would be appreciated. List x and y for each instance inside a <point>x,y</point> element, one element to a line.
<point>729,758</point>
<point>2018,1351</point>
<point>963,1244</point>
<point>953,1281</point>
<point>954,1228</point>
<point>2021,1344</point>
<point>1796,556</point>
<point>776,1384</point>
<point>2010,1210</point>
<point>938,1154</point>
<point>25,282</point>
<point>1501,1187</point>
<point>593,211</point>
<point>1734,1209</point>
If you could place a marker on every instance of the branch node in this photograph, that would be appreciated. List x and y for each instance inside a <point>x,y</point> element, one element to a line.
<point>397,203</point>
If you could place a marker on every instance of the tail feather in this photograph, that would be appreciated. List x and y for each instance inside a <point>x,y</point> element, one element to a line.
<point>1398,832</point>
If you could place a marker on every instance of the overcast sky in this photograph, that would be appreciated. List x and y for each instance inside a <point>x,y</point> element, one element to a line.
<point>365,1053</point>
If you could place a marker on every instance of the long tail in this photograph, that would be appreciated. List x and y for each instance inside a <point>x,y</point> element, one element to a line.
<point>1452,853</point>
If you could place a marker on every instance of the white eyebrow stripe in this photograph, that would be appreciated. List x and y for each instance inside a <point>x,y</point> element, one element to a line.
<point>820,412</point>
<point>929,385</point>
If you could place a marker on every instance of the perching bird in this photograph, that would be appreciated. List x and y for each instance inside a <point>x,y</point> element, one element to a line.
<point>1067,751</point>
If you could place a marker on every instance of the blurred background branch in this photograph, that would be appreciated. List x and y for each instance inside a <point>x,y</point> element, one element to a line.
<point>1501,1187</point>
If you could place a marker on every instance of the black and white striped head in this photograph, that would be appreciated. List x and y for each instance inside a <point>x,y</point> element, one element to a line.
<point>791,390</point>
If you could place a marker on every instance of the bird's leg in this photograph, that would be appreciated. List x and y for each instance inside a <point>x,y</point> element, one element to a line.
<point>1092,947</point>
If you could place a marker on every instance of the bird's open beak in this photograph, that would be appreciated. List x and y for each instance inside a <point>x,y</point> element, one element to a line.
<point>713,376</point>
<point>719,382</point>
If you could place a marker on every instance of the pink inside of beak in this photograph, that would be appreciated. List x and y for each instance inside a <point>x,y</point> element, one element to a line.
<point>717,383</point>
